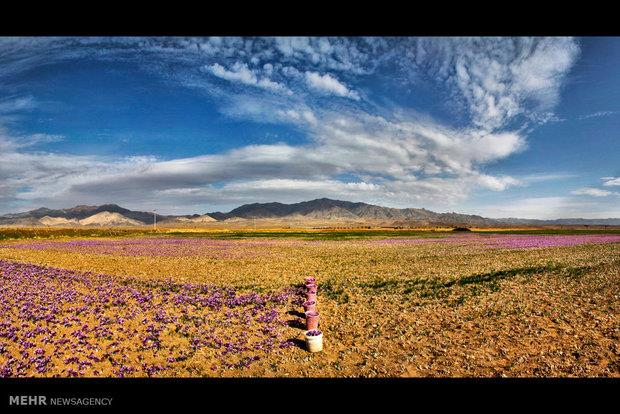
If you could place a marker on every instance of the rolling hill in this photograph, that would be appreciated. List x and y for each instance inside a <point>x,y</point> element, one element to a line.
<point>104,215</point>
<point>108,219</point>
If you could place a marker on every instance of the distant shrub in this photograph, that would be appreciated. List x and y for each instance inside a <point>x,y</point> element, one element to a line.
<point>461,229</point>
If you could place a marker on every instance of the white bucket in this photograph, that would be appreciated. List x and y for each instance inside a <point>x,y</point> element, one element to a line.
<point>314,343</point>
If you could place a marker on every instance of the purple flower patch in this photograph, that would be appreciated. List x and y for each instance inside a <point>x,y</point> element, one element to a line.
<point>68,323</point>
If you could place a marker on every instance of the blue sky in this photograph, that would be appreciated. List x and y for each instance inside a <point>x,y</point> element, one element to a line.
<point>502,127</point>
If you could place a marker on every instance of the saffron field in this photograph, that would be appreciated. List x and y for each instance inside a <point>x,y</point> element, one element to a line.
<point>390,303</point>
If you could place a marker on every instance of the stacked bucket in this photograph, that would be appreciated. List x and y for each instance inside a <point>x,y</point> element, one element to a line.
<point>314,337</point>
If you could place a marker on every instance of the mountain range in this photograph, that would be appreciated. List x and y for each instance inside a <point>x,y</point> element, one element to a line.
<point>104,215</point>
<point>322,209</point>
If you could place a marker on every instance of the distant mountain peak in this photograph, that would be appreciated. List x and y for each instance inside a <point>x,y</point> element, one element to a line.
<point>330,209</point>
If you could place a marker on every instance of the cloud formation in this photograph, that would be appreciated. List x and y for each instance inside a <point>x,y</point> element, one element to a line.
<point>355,148</point>
<point>594,192</point>
<point>548,208</point>
<point>240,72</point>
<point>611,181</point>
<point>398,162</point>
<point>16,104</point>
<point>496,78</point>
<point>598,114</point>
<point>329,85</point>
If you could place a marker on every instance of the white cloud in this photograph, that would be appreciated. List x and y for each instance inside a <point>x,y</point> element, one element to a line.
<point>16,104</point>
<point>339,54</point>
<point>396,162</point>
<point>327,84</point>
<point>548,208</point>
<point>611,181</point>
<point>594,192</point>
<point>598,114</point>
<point>497,183</point>
<point>541,177</point>
<point>239,72</point>
<point>9,143</point>
<point>496,77</point>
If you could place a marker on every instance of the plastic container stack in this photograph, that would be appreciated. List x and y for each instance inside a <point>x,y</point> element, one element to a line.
<point>314,337</point>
